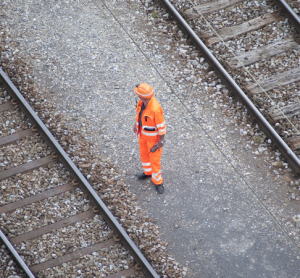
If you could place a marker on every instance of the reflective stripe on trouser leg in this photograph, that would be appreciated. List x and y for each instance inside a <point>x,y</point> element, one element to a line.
<point>155,165</point>
<point>147,168</point>
<point>154,159</point>
<point>156,178</point>
<point>144,153</point>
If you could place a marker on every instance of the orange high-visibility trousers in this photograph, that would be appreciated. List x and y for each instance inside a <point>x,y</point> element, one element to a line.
<point>151,161</point>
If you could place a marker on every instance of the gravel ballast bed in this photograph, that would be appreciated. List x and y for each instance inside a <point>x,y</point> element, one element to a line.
<point>28,184</point>
<point>54,209</point>
<point>194,104</point>
<point>95,265</point>
<point>24,151</point>
<point>65,240</point>
<point>9,267</point>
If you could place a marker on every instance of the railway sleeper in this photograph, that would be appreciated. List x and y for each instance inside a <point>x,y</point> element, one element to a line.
<point>294,142</point>
<point>259,54</point>
<point>27,167</point>
<point>231,32</point>
<point>208,8</point>
<point>289,111</point>
<point>274,81</point>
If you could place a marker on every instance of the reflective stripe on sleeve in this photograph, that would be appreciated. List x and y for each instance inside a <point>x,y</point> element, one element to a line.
<point>161,125</point>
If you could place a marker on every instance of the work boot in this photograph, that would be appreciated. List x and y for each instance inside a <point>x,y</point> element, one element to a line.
<point>160,188</point>
<point>143,176</point>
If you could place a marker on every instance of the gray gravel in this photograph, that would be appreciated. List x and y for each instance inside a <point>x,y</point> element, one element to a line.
<point>225,212</point>
<point>277,31</point>
<point>9,268</point>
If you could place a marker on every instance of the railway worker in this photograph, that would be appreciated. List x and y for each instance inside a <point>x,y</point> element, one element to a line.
<point>150,128</point>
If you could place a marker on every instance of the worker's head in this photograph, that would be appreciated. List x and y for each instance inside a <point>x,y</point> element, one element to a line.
<point>144,91</point>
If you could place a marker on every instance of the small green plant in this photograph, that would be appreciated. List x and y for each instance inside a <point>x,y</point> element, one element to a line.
<point>258,139</point>
<point>155,15</point>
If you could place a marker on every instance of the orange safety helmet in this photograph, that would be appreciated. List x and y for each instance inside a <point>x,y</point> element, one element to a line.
<point>144,90</point>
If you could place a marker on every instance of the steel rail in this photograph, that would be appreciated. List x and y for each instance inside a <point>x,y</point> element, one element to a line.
<point>291,158</point>
<point>15,254</point>
<point>290,14</point>
<point>77,175</point>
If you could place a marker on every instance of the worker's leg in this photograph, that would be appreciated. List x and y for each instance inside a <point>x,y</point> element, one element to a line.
<point>144,152</point>
<point>155,164</point>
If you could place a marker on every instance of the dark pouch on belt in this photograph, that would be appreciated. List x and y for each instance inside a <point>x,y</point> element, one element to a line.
<point>149,129</point>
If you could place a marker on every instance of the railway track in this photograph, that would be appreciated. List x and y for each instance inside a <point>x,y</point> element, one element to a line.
<point>52,221</point>
<point>81,195</point>
<point>255,52</point>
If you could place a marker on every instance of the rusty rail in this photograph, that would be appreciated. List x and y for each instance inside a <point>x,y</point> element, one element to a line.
<point>77,175</point>
<point>288,154</point>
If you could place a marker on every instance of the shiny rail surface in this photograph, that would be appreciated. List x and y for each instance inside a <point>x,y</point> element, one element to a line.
<point>285,150</point>
<point>289,13</point>
<point>77,175</point>
<point>16,255</point>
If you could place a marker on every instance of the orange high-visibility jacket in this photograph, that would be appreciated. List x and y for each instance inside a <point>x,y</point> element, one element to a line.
<point>153,122</point>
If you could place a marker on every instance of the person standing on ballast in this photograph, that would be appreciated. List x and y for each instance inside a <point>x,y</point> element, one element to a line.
<point>150,128</point>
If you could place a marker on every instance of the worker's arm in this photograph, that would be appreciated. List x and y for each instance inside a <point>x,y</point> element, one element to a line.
<point>134,128</point>
<point>161,127</point>
<point>160,143</point>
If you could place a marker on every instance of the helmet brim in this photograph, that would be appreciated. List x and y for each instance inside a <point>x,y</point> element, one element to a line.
<point>148,96</point>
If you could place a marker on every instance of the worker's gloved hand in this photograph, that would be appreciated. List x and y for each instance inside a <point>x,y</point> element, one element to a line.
<point>154,148</point>
<point>158,145</point>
